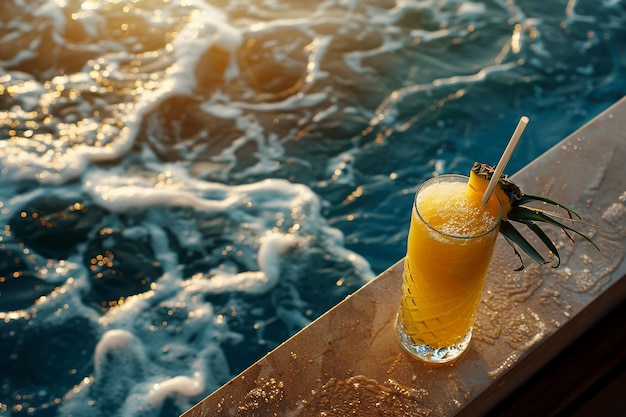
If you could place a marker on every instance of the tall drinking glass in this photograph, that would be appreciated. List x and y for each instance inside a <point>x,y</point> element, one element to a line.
<point>449,248</point>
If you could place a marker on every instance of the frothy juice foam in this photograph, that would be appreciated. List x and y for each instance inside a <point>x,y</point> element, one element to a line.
<point>449,248</point>
<point>451,208</point>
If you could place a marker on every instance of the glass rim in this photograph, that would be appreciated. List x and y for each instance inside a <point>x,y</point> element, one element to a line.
<point>465,179</point>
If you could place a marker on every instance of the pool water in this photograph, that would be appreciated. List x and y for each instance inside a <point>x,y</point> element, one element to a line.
<point>187,183</point>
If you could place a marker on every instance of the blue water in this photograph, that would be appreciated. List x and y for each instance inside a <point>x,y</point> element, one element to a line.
<point>187,183</point>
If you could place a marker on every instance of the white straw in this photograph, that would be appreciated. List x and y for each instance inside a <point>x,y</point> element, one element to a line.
<point>504,159</point>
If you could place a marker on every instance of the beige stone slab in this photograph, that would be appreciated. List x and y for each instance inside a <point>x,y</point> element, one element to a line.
<point>349,361</point>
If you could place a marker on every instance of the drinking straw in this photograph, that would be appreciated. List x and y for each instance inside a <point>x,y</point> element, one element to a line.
<point>504,159</point>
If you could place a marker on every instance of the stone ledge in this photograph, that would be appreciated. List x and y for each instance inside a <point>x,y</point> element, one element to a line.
<point>349,360</point>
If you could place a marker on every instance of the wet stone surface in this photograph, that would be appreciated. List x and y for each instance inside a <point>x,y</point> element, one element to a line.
<point>361,396</point>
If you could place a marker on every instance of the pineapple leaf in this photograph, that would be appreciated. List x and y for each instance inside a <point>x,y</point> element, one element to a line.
<point>514,237</point>
<point>527,198</point>
<point>557,216</point>
<point>522,266</point>
<point>524,214</point>
<point>545,239</point>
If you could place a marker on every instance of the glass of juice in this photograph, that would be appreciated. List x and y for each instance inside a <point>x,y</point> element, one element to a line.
<point>451,240</point>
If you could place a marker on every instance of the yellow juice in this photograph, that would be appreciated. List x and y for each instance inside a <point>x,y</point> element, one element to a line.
<point>449,248</point>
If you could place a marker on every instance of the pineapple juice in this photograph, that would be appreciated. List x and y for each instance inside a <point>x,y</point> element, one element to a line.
<point>449,248</point>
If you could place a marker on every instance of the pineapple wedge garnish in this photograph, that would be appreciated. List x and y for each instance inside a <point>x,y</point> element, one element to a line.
<point>515,209</point>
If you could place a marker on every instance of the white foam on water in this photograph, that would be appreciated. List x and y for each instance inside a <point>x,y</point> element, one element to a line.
<point>139,385</point>
<point>207,27</point>
<point>120,194</point>
<point>125,383</point>
<point>272,246</point>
